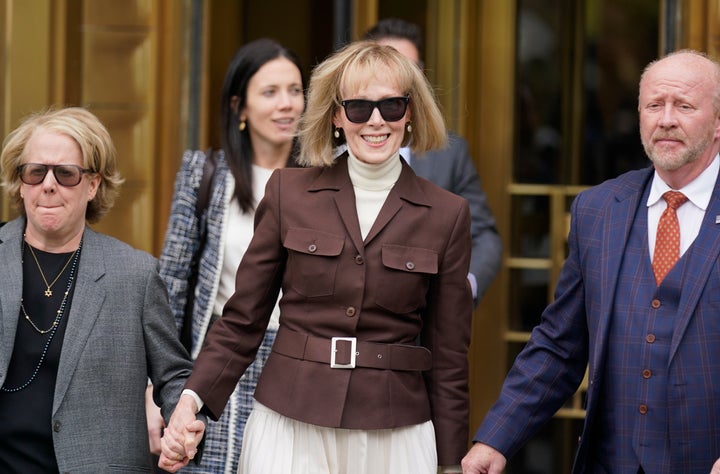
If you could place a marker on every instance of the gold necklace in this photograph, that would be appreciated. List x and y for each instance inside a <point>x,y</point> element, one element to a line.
<point>53,329</point>
<point>32,323</point>
<point>48,291</point>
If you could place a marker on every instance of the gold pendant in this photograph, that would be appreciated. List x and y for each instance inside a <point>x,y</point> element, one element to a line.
<point>48,292</point>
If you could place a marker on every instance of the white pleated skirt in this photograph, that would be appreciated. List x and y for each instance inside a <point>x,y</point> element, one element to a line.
<point>276,444</point>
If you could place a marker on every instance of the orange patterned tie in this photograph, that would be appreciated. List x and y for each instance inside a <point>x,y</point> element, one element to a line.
<point>667,244</point>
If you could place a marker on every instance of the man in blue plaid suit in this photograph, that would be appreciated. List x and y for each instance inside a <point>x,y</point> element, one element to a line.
<point>652,349</point>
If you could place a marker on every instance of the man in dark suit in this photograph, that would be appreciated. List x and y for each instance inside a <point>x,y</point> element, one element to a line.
<point>450,167</point>
<point>650,335</point>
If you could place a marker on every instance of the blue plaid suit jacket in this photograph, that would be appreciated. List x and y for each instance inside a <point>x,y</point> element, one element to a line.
<point>574,328</point>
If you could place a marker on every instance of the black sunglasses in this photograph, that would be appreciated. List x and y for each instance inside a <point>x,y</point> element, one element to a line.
<point>391,109</point>
<point>65,175</point>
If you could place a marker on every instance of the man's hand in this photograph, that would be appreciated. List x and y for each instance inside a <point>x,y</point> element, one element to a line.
<point>482,459</point>
<point>182,436</point>
<point>716,467</point>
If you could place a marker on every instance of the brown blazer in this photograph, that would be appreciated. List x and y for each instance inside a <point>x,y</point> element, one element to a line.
<point>406,282</point>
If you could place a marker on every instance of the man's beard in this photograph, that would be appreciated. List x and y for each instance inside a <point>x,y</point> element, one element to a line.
<point>671,161</point>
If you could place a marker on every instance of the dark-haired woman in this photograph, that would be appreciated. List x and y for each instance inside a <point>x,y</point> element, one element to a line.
<point>262,99</point>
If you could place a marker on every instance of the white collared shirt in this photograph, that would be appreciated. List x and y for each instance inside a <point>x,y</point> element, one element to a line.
<point>406,153</point>
<point>690,215</point>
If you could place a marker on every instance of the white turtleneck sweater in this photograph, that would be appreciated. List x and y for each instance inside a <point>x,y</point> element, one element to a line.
<point>372,184</point>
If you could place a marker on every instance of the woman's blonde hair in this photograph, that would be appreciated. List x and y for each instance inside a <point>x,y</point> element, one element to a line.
<point>353,66</point>
<point>98,154</point>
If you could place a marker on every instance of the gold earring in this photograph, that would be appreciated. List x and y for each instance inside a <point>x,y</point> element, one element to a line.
<point>336,133</point>
<point>408,127</point>
<point>242,125</point>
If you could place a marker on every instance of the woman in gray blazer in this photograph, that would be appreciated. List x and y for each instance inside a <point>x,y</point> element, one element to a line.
<point>84,318</point>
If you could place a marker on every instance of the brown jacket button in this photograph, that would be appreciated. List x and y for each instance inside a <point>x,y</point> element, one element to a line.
<point>312,248</point>
<point>350,311</point>
<point>410,266</point>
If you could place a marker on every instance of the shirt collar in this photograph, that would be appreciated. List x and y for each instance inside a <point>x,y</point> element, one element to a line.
<point>405,153</point>
<point>698,191</point>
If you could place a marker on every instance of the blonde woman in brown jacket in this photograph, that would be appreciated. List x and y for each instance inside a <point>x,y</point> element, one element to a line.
<point>369,369</point>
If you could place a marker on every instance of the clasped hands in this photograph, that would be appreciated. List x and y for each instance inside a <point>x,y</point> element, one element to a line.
<point>181,436</point>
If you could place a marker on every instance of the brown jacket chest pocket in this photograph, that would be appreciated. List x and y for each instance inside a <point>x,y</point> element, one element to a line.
<point>312,260</point>
<point>403,285</point>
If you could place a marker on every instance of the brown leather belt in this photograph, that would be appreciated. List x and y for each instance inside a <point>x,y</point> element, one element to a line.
<point>338,352</point>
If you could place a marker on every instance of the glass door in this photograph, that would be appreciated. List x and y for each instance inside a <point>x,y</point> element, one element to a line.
<point>577,69</point>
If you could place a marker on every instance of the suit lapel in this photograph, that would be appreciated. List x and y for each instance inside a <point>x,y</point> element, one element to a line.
<point>406,189</point>
<point>11,235</point>
<point>336,178</point>
<point>84,310</point>
<point>616,230</point>
<point>345,202</point>
<point>391,206</point>
<point>704,253</point>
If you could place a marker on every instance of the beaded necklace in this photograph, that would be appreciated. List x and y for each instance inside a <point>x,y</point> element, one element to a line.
<point>54,324</point>
<point>53,328</point>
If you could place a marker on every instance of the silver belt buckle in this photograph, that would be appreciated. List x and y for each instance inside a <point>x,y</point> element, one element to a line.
<point>333,351</point>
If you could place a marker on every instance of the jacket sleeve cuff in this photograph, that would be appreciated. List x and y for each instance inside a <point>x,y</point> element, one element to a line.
<point>195,396</point>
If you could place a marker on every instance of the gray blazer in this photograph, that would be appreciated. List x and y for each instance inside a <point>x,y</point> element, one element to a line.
<point>120,333</point>
<point>451,168</point>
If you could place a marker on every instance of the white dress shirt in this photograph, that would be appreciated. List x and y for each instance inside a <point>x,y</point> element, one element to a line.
<point>690,214</point>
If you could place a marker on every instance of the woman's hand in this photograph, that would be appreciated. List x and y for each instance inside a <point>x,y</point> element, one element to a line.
<point>155,422</point>
<point>182,436</point>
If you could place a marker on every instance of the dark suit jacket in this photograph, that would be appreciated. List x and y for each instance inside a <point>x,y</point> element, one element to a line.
<point>451,168</point>
<point>307,241</point>
<point>574,331</point>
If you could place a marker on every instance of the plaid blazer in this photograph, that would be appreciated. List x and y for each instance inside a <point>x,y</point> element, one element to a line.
<point>182,240</point>
<point>574,328</point>
<point>223,439</point>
